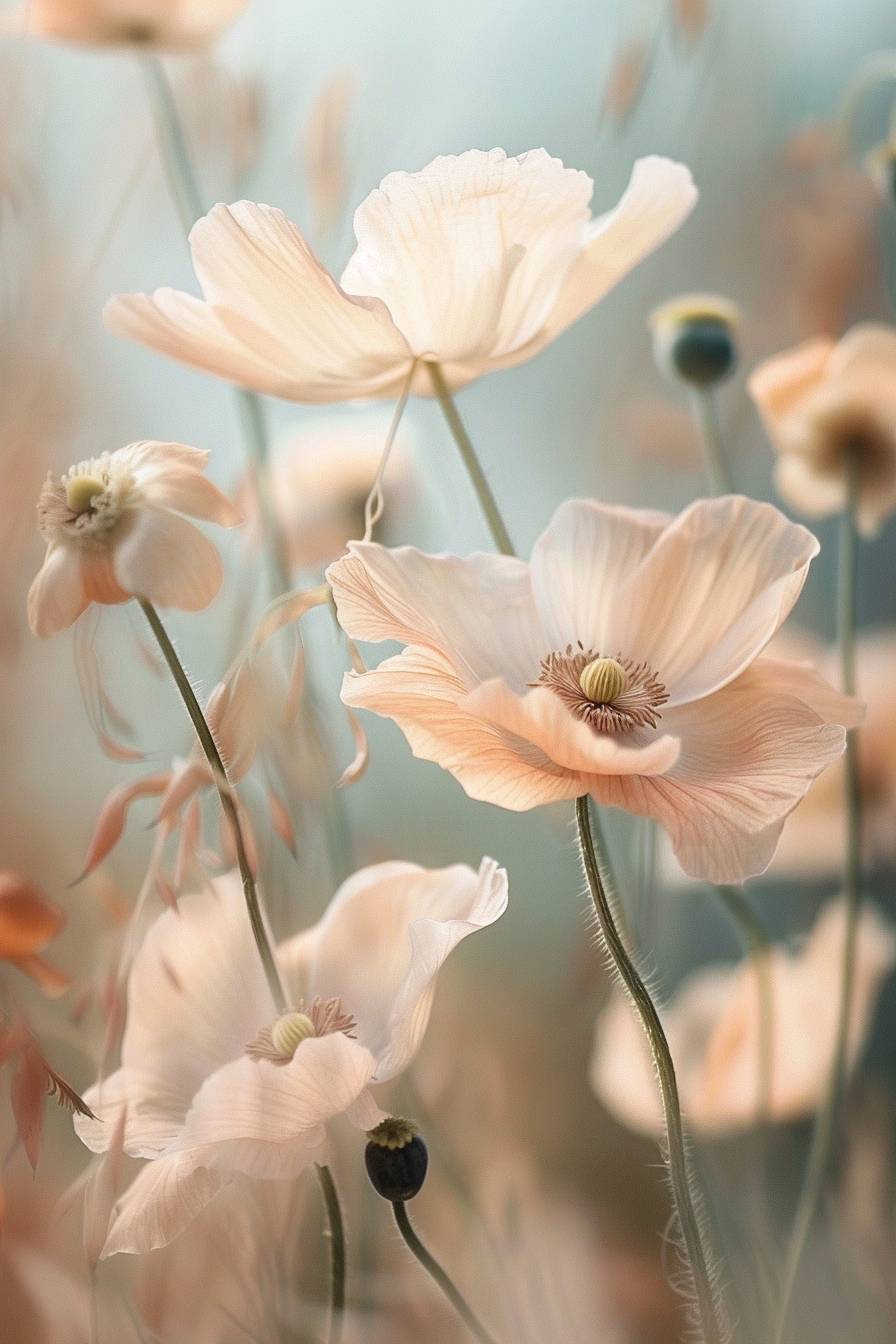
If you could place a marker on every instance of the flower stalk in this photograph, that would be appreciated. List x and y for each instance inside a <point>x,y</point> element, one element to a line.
<point>438,1274</point>
<point>227,797</point>
<point>336,1234</point>
<point>707,1307</point>
<point>706,413</point>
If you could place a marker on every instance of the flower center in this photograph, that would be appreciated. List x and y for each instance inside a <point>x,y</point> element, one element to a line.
<point>86,502</point>
<point>611,695</point>
<point>279,1042</point>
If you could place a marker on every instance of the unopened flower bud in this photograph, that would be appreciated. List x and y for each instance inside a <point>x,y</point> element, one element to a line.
<point>396,1159</point>
<point>694,338</point>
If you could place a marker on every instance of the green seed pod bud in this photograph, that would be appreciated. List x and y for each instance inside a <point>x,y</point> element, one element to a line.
<point>602,680</point>
<point>694,339</point>
<point>396,1159</point>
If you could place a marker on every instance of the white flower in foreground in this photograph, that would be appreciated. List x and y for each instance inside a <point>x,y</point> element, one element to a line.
<point>713,1028</point>
<point>144,23</point>
<point>216,1084</point>
<point>114,530</point>
<point>477,262</point>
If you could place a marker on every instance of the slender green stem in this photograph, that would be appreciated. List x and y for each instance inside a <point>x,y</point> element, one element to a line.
<point>487,501</point>
<point>438,1274</point>
<point>826,1120</point>
<point>226,795</point>
<point>336,1233</point>
<point>706,413</point>
<point>758,945</point>
<point>708,1309</point>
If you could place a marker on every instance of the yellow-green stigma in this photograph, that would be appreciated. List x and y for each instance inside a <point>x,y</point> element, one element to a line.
<point>81,491</point>
<point>603,680</point>
<point>289,1031</point>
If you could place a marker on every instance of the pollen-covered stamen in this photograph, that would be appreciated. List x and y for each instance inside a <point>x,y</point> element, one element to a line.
<point>612,695</point>
<point>280,1041</point>
<point>86,502</point>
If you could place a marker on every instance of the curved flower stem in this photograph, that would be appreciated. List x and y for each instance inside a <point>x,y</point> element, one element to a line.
<point>226,795</point>
<point>336,1233</point>
<point>437,1273</point>
<point>706,413</point>
<point>826,1120</point>
<point>758,945</point>
<point>487,501</point>
<point>708,1310</point>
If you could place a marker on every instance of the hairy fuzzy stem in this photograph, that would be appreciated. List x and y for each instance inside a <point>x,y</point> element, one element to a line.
<point>708,1310</point>
<point>438,1274</point>
<point>487,501</point>
<point>336,1233</point>
<point>706,412</point>
<point>825,1128</point>
<point>227,797</point>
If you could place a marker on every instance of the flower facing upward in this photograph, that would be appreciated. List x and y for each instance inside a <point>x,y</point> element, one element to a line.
<point>217,1085</point>
<point>713,1029</point>
<point>622,662</point>
<point>153,23</point>
<point>826,405</point>
<point>477,262</point>
<point>114,529</point>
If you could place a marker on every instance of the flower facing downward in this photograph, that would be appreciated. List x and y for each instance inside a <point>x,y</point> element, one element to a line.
<point>622,662</point>
<point>478,261</point>
<point>713,1029</point>
<point>145,23</point>
<point>830,406</point>
<point>218,1085</point>
<point>114,530</point>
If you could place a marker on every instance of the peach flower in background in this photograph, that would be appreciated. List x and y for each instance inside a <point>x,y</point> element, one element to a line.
<point>216,1085</point>
<point>478,262</point>
<point>623,662</point>
<point>713,1028</point>
<point>114,529</point>
<point>155,23</point>
<point>824,404</point>
<point>28,924</point>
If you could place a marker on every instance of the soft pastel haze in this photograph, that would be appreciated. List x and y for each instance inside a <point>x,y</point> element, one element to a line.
<point>170,24</point>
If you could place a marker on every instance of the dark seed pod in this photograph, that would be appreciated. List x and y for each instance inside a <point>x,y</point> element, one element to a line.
<point>396,1159</point>
<point>703,352</point>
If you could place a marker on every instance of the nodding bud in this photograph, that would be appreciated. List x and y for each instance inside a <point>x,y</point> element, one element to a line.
<point>396,1159</point>
<point>602,680</point>
<point>694,338</point>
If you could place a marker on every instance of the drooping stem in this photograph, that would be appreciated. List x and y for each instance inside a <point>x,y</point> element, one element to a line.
<point>706,413</point>
<point>225,794</point>
<point>487,501</point>
<point>707,1307</point>
<point>336,1233</point>
<point>758,945</point>
<point>439,1276</point>
<point>825,1128</point>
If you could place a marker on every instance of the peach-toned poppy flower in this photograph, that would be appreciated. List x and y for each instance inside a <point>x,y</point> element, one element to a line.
<point>155,23</point>
<point>622,662</point>
<point>825,404</point>
<point>477,262</point>
<point>114,529</point>
<point>713,1028</point>
<point>216,1084</point>
<point>28,924</point>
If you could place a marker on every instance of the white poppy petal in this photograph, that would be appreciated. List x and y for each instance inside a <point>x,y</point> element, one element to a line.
<point>167,560</point>
<point>57,596</point>
<point>160,1204</point>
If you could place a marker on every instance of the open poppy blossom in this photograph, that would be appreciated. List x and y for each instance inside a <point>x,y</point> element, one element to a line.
<point>115,529</point>
<point>476,262</point>
<point>623,662</point>
<point>217,1084</point>
<point>713,1029</point>
<point>143,23</point>
<point>826,405</point>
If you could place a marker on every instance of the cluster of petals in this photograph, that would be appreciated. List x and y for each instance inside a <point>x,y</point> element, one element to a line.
<point>825,403</point>
<point>169,24</point>
<point>713,1028</point>
<point>203,1109</point>
<point>115,529</point>
<point>476,262</point>
<point>736,741</point>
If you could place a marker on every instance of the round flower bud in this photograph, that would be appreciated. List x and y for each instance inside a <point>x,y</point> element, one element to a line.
<point>602,680</point>
<point>396,1159</point>
<point>694,338</point>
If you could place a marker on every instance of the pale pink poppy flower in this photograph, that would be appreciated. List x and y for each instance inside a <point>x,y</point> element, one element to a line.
<point>824,404</point>
<point>623,662</point>
<point>155,23</point>
<point>713,1028</point>
<point>478,262</point>
<point>217,1084</point>
<point>115,529</point>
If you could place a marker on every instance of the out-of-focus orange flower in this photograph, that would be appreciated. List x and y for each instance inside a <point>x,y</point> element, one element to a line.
<point>28,923</point>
